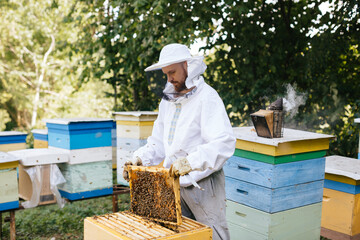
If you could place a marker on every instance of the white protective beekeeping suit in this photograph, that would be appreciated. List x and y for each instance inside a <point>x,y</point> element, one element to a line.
<point>202,134</point>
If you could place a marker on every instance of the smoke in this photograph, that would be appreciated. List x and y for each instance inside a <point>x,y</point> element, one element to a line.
<point>293,100</point>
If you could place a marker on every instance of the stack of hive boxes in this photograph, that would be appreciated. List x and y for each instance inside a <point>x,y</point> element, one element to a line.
<point>40,138</point>
<point>9,196</point>
<point>274,186</point>
<point>132,130</point>
<point>87,141</point>
<point>341,203</point>
<point>12,140</point>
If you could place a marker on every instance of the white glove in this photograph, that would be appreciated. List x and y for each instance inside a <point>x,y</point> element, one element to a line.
<point>180,167</point>
<point>136,162</point>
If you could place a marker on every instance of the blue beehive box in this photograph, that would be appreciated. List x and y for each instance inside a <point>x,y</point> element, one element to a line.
<point>78,133</point>
<point>12,140</point>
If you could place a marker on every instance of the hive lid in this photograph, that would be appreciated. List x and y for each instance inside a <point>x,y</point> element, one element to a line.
<point>11,133</point>
<point>40,156</point>
<point>290,135</point>
<point>344,166</point>
<point>40,131</point>
<point>76,120</point>
<point>135,116</point>
<point>6,157</point>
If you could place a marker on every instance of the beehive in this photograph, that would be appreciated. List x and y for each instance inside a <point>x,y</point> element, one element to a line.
<point>341,200</point>
<point>9,195</point>
<point>126,225</point>
<point>43,158</point>
<point>132,130</point>
<point>276,179</point>
<point>12,140</point>
<point>40,138</point>
<point>154,194</point>
<point>88,142</point>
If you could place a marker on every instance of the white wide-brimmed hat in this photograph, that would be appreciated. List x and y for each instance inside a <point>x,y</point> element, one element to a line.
<point>170,54</point>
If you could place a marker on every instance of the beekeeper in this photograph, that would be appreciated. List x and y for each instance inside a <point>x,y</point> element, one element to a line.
<point>193,135</point>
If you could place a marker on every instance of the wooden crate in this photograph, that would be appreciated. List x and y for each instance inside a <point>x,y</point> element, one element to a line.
<point>273,200</point>
<point>125,225</point>
<point>86,180</point>
<point>78,133</point>
<point>275,176</point>
<point>152,186</point>
<point>299,223</point>
<point>341,212</point>
<point>9,195</point>
<point>293,142</point>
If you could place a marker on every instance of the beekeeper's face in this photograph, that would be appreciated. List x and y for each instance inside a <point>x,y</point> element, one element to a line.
<point>176,75</point>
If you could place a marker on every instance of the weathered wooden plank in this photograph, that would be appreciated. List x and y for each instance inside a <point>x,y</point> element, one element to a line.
<point>8,185</point>
<point>239,233</point>
<point>279,159</point>
<point>273,200</point>
<point>86,155</point>
<point>130,144</point>
<point>86,177</point>
<point>132,131</point>
<point>343,179</point>
<point>341,212</point>
<point>282,225</point>
<point>40,156</point>
<point>330,234</point>
<point>12,147</point>
<point>343,187</point>
<point>275,176</point>
<point>40,143</point>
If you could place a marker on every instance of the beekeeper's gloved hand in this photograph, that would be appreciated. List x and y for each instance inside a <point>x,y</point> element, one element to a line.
<point>136,162</point>
<point>180,167</point>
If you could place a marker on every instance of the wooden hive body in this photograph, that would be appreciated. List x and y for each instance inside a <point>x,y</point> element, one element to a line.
<point>40,138</point>
<point>9,195</point>
<point>12,140</point>
<point>154,194</point>
<point>128,226</point>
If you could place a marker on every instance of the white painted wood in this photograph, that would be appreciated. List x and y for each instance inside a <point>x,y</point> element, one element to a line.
<point>343,166</point>
<point>135,132</point>
<point>135,116</point>
<point>6,157</point>
<point>11,133</point>
<point>357,120</point>
<point>67,121</point>
<point>40,131</point>
<point>290,135</point>
<point>86,155</point>
<point>8,186</point>
<point>40,156</point>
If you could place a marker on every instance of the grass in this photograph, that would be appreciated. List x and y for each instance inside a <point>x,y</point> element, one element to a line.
<point>51,222</point>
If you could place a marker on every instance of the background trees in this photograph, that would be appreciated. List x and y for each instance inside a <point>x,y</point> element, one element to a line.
<point>254,49</point>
